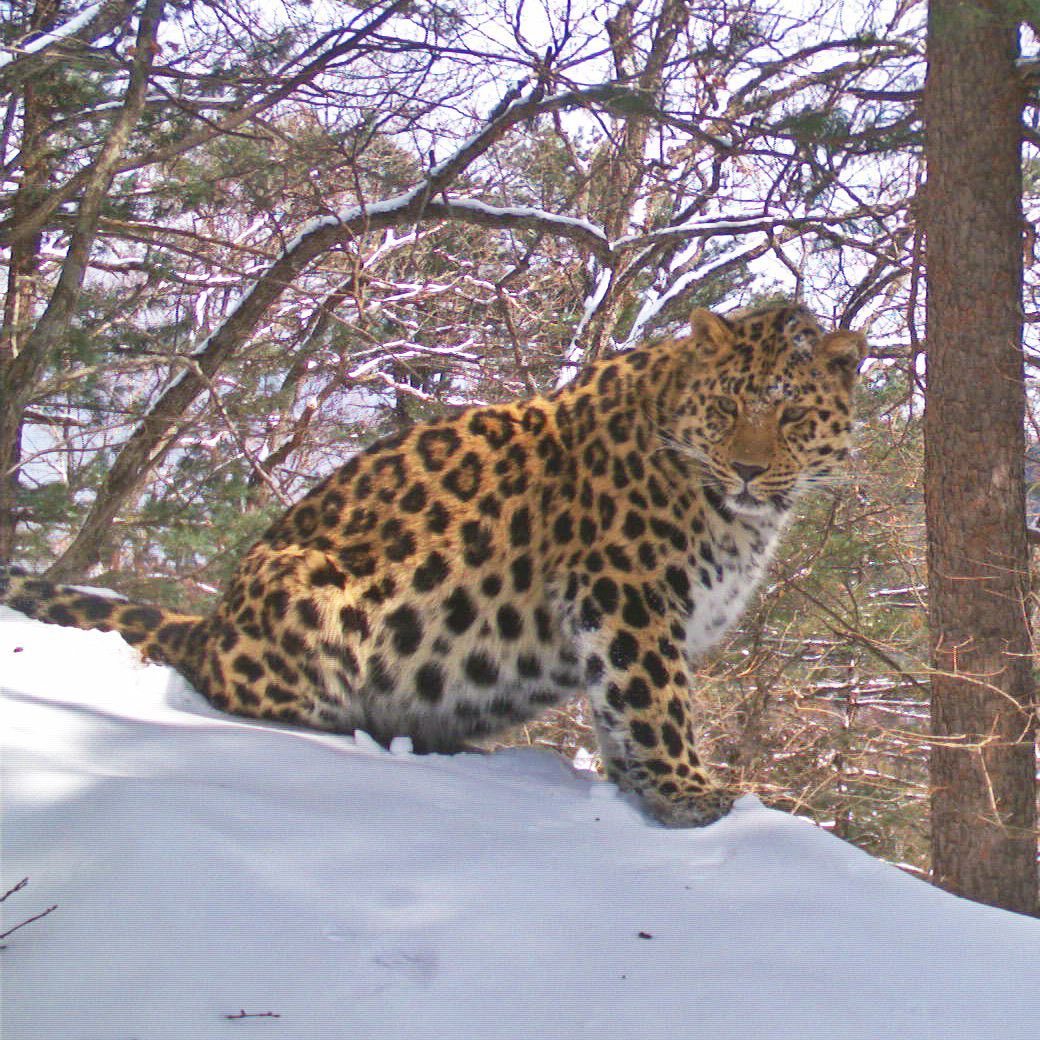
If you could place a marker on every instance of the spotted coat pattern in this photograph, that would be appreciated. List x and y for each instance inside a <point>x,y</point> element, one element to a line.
<point>463,574</point>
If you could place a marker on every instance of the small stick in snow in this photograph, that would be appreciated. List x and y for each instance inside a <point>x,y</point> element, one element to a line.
<point>17,888</point>
<point>253,1014</point>
<point>29,920</point>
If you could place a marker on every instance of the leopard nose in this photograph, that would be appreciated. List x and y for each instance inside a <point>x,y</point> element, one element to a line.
<point>747,472</point>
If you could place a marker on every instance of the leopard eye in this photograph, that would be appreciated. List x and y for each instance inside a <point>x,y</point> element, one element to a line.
<point>726,405</point>
<point>793,414</point>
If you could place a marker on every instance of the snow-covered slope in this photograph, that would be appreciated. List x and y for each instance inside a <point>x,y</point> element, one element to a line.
<point>204,866</point>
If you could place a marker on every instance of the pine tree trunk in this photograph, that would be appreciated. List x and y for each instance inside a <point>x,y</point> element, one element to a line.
<point>17,368</point>
<point>983,763</point>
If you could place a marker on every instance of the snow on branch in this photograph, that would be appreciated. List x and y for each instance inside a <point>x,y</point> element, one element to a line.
<point>427,201</point>
<point>748,224</point>
<point>411,206</point>
<point>23,57</point>
<point>36,42</point>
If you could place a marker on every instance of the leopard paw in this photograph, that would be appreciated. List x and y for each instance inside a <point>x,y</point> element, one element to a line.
<point>690,809</point>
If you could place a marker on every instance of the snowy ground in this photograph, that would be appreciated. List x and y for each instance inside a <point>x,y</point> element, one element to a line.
<point>204,865</point>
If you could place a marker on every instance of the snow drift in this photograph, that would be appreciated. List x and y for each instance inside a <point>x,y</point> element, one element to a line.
<point>207,868</point>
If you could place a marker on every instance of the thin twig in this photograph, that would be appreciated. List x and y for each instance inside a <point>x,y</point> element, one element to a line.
<point>29,920</point>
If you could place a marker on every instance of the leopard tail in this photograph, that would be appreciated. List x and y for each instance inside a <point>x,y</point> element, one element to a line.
<point>161,635</point>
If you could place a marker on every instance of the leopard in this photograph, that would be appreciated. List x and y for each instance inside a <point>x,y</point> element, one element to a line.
<point>466,573</point>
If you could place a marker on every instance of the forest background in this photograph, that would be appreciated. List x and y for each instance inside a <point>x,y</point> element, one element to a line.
<point>245,238</point>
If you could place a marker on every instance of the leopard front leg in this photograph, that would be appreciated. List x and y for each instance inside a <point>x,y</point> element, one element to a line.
<point>639,682</point>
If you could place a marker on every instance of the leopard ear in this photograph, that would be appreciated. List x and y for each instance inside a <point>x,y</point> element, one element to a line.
<point>712,332</point>
<point>842,352</point>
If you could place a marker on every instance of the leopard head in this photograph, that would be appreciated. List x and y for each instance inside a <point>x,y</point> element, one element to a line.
<point>764,404</point>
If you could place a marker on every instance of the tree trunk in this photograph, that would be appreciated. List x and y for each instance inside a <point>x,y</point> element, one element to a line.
<point>983,764</point>
<point>23,262</point>
<point>21,360</point>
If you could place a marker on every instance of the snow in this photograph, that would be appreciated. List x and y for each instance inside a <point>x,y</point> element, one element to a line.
<point>396,203</point>
<point>654,302</point>
<point>529,213</point>
<point>703,228</point>
<point>205,865</point>
<point>61,32</point>
<point>572,358</point>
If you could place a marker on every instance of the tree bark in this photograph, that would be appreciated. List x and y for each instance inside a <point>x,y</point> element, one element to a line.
<point>627,168</point>
<point>23,261</point>
<point>21,360</point>
<point>983,763</point>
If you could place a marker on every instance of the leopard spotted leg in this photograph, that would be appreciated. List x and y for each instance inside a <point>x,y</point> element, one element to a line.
<point>639,690</point>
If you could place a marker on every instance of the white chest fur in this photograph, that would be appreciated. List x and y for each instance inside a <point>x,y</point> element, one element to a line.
<point>741,550</point>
